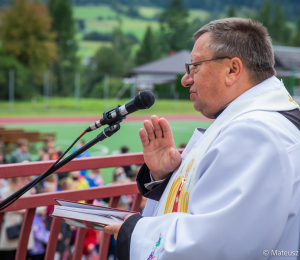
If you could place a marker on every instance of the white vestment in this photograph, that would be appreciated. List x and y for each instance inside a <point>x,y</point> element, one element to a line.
<point>245,197</point>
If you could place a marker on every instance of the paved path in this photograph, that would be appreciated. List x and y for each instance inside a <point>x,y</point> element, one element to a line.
<point>91,119</point>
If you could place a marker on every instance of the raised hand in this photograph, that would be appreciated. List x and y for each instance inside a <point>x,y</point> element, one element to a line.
<point>159,149</point>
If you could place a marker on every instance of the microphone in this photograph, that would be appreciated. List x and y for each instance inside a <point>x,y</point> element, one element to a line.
<point>143,100</point>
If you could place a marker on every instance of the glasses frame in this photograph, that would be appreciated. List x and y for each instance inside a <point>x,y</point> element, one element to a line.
<point>187,65</point>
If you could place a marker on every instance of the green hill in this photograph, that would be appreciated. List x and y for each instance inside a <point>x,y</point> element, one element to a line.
<point>103,18</point>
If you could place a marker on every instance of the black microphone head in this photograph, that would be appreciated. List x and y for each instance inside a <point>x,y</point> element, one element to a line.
<point>144,99</point>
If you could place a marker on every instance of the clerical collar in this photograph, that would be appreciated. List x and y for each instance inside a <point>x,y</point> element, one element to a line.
<point>220,112</point>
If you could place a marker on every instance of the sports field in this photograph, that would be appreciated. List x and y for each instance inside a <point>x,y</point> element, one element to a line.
<point>127,135</point>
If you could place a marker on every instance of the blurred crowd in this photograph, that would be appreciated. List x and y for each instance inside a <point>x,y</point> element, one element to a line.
<point>74,180</point>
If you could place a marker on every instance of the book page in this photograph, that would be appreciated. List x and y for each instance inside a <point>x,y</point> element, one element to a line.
<point>111,211</point>
<point>105,213</point>
<point>78,205</point>
<point>58,212</point>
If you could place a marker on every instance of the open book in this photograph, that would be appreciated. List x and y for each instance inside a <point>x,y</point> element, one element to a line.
<point>87,215</point>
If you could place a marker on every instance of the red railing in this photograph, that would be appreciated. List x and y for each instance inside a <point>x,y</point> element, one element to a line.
<point>30,203</point>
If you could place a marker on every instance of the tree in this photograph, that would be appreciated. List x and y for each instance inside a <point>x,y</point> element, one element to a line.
<point>231,11</point>
<point>275,22</point>
<point>23,88</point>
<point>279,30</point>
<point>174,26</point>
<point>264,16</point>
<point>122,45</point>
<point>26,36</point>
<point>148,50</point>
<point>108,61</point>
<point>64,27</point>
<point>296,39</point>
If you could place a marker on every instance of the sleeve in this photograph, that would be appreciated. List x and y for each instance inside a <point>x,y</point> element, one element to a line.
<point>124,237</point>
<point>238,207</point>
<point>144,177</point>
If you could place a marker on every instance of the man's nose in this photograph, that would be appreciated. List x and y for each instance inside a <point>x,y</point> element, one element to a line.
<point>187,80</point>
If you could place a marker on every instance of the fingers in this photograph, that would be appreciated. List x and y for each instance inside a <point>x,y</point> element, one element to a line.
<point>113,230</point>
<point>166,128</point>
<point>109,229</point>
<point>160,128</point>
<point>127,217</point>
<point>149,130</point>
<point>144,138</point>
<point>156,126</point>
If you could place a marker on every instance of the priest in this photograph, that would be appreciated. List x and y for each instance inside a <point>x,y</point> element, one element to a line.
<point>234,191</point>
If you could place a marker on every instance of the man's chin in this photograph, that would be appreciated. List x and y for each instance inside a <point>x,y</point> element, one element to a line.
<point>203,112</point>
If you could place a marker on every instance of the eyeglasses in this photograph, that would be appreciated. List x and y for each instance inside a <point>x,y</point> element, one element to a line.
<point>188,65</point>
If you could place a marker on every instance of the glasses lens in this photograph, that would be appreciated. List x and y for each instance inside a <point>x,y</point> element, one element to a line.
<point>187,68</point>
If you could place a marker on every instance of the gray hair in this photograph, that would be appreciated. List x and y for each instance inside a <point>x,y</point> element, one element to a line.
<point>243,38</point>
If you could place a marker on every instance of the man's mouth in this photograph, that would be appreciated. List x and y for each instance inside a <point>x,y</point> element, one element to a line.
<point>192,95</point>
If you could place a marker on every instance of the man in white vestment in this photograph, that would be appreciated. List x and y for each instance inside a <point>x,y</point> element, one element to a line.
<point>234,192</point>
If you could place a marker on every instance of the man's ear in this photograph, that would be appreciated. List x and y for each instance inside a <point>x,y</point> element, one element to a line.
<point>234,72</point>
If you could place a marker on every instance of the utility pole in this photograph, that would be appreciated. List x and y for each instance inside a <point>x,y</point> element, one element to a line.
<point>77,90</point>
<point>46,89</point>
<point>11,89</point>
<point>106,91</point>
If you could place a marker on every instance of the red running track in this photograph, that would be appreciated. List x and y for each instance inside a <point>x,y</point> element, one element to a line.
<point>91,119</point>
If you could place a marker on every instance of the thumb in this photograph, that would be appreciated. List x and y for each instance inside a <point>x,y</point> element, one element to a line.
<point>175,157</point>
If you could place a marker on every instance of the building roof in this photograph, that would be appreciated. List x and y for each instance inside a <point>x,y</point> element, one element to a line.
<point>173,64</point>
<point>286,59</point>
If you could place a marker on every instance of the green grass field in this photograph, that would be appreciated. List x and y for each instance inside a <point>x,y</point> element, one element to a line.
<point>127,135</point>
<point>90,107</point>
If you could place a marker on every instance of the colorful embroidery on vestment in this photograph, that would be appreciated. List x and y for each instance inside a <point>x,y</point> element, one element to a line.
<point>178,198</point>
<point>156,250</point>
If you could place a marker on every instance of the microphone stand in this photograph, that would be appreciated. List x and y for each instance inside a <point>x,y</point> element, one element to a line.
<point>107,132</point>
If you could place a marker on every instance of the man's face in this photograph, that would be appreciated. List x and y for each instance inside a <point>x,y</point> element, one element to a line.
<point>205,80</point>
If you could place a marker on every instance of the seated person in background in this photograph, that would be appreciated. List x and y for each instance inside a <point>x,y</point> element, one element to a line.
<point>120,176</point>
<point>41,235</point>
<point>182,145</point>
<point>78,181</point>
<point>3,182</point>
<point>50,184</point>
<point>133,174</point>
<point>66,231</point>
<point>2,158</point>
<point>8,246</point>
<point>54,152</point>
<point>89,246</point>
<point>123,205</point>
<point>65,184</point>
<point>21,153</point>
<point>127,169</point>
<point>94,178</point>
<point>83,155</point>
